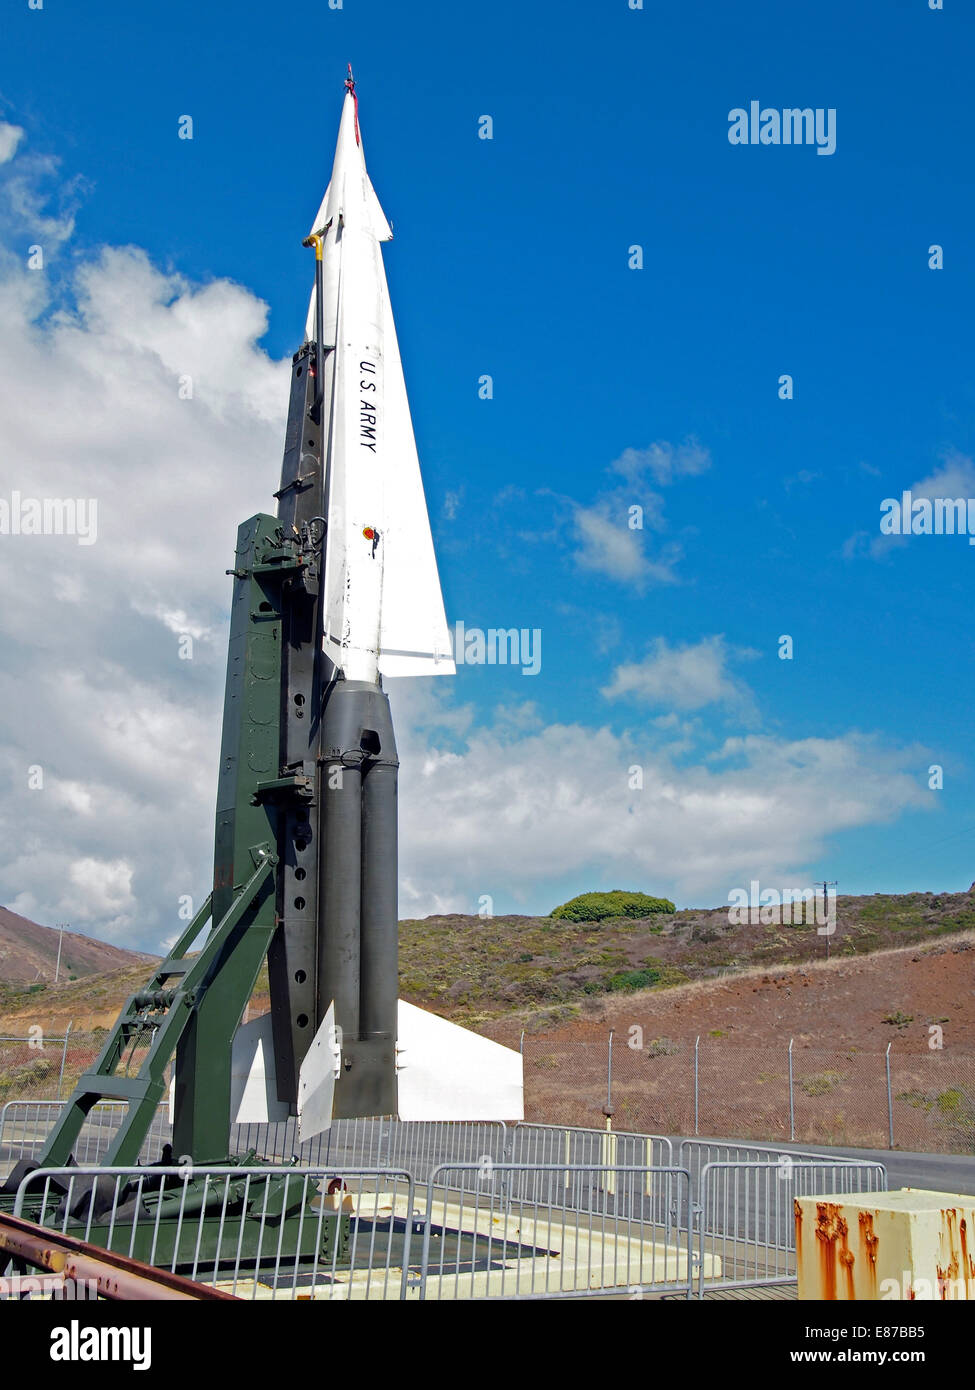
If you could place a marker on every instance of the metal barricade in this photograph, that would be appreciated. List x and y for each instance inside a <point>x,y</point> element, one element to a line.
<point>381,1142</point>
<point>537,1143</point>
<point>554,1231</point>
<point>359,1143</point>
<point>258,1233</point>
<point>745,1214</point>
<point>695,1154</point>
<point>598,1153</point>
<point>26,1124</point>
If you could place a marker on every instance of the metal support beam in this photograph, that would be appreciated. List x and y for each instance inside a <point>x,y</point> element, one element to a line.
<point>114,1276</point>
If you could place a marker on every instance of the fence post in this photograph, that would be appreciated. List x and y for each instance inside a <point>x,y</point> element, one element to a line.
<point>792,1105</point>
<point>608,1144</point>
<point>64,1057</point>
<point>609,1079</point>
<point>890,1102</point>
<point>697,1046</point>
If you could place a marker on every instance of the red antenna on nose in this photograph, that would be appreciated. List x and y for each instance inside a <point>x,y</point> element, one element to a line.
<point>350,88</point>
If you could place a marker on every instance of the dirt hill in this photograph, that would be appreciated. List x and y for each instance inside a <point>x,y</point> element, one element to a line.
<point>841,1016</point>
<point>475,970</point>
<point>29,953</point>
<point>865,1003</point>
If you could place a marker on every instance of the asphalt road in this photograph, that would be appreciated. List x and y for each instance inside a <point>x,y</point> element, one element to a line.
<point>953,1173</point>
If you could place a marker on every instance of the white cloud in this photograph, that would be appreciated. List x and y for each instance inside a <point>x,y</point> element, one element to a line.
<point>857,544</point>
<point>664,462</point>
<point>614,541</point>
<point>10,138</point>
<point>91,685</point>
<point>608,546</point>
<point>33,198</point>
<point>74,796</point>
<point>510,810</point>
<point>101,889</point>
<point>685,677</point>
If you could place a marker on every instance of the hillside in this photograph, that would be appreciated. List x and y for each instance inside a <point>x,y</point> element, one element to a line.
<point>861,1002</point>
<point>540,970</point>
<point>29,952</point>
<point>473,969</point>
<point>841,1015</point>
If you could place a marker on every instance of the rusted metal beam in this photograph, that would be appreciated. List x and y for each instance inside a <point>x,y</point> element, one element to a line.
<point>115,1276</point>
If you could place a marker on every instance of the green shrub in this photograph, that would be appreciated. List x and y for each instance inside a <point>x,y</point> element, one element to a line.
<point>820,1084</point>
<point>632,979</point>
<point>952,1102</point>
<point>597,907</point>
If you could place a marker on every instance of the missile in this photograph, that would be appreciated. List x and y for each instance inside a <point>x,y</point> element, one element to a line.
<point>368,605</point>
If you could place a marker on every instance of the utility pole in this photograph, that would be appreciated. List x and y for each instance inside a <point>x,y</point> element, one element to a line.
<point>61,930</point>
<point>827,885</point>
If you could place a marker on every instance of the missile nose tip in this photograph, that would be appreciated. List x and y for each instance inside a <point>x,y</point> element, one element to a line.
<point>350,88</point>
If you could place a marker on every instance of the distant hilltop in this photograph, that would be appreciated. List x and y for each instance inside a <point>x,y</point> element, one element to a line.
<point>29,953</point>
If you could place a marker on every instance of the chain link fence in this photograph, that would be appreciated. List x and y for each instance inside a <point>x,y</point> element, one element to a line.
<point>45,1066</point>
<point>33,1067</point>
<point>920,1099</point>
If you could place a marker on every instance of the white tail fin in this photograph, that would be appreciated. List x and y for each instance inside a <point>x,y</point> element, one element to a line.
<point>316,1080</point>
<point>384,608</point>
<point>445,1072</point>
<point>413,635</point>
<point>253,1092</point>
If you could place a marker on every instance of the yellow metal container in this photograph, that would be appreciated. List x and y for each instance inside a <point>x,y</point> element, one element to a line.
<point>908,1244</point>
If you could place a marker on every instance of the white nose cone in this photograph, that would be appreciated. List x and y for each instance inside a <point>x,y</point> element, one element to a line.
<point>384,609</point>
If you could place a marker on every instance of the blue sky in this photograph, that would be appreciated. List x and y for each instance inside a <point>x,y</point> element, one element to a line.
<point>510,258</point>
